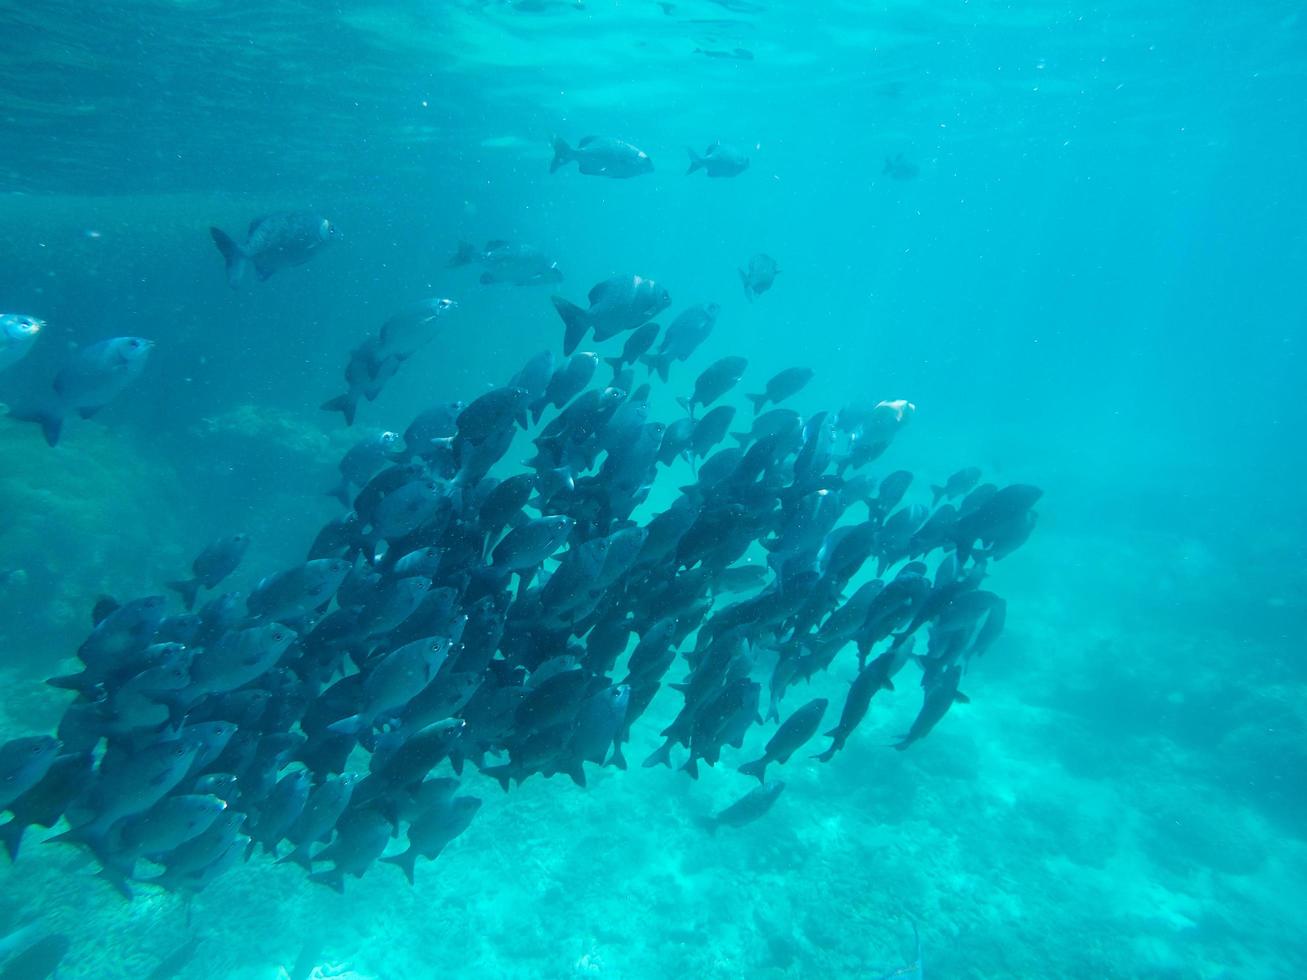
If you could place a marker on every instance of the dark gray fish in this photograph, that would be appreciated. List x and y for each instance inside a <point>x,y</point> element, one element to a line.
<point>360,839</point>
<point>491,413</point>
<point>526,546</point>
<point>431,831</point>
<point>683,337</point>
<point>617,304</point>
<point>941,694</point>
<point>394,681</point>
<point>296,592</point>
<point>789,382</point>
<point>637,344</point>
<point>17,335</point>
<point>602,156</point>
<point>762,272</point>
<point>960,483</point>
<point>38,961</point>
<point>789,737</point>
<point>746,809</point>
<point>900,168</point>
<point>568,382</point>
<point>328,800</point>
<point>716,380</point>
<point>218,560</point>
<point>24,763</point>
<point>509,262</point>
<point>411,329</point>
<point>431,428</point>
<point>88,381</point>
<point>274,242</point>
<point>719,160</point>
<point>874,677</point>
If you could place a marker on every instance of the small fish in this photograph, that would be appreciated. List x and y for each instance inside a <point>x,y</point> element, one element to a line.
<point>716,380</point>
<point>960,483</point>
<point>789,382</point>
<point>899,168</point>
<point>93,377</point>
<point>602,156</point>
<point>508,262</point>
<point>617,304</point>
<point>734,54</point>
<point>277,241</point>
<point>746,809</point>
<point>218,560</point>
<point>17,335</point>
<point>719,160</point>
<point>762,272</point>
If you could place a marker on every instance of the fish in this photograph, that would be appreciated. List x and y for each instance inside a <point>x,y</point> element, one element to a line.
<point>717,379</point>
<point>941,694</point>
<point>90,379</point>
<point>899,168</point>
<point>959,484</point>
<point>719,160</point>
<point>617,304</point>
<point>733,54</point>
<point>274,242</point>
<point>211,566</point>
<point>430,832</point>
<point>781,386</point>
<point>874,677</point>
<point>683,337</point>
<point>752,806</point>
<point>601,156</point>
<point>18,334</point>
<point>508,262</point>
<point>789,737</point>
<point>636,346</point>
<point>760,275</point>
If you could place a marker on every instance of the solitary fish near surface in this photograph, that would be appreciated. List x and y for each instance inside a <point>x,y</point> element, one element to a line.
<point>274,242</point>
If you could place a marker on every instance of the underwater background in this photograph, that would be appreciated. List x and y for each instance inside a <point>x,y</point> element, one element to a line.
<point>1093,282</point>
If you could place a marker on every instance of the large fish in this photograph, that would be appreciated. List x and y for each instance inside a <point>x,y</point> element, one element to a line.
<point>274,242</point>
<point>93,377</point>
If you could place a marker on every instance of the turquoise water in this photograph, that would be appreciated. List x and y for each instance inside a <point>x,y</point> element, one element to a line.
<point>1092,283</point>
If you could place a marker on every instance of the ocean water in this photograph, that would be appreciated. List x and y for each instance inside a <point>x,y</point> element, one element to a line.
<point>1092,282</point>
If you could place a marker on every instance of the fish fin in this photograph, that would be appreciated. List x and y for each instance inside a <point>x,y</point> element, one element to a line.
<point>888,685</point>
<point>696,161</point>
<point>12,836</point>
<point>464,256</point>
<point>686,404</point>
<point>562,153</point>
<point>51,422</point>
<point>187,589</point>
<point>233,255</point>
<point>575,323</point>
<point>116,878</point>
<point>744,280</point>
<point>346,404</point>
<point>616,759</point>
<point>691,767</point>
<point>961,698</point>
<point>406,862</point>
<point>661,756</point>
<point>709,824</point>
<point>658,363</point>
<point>500,773</point>
<point>616,363</point>
<point>758,400</point>
<point>757,768</point>
<point>577,772</point>
<point>340,492</point>
<point>333,879</point>
<point>300,855</point>
<point>828,754</point>
<point>353,725</point>
<point>71,682</point>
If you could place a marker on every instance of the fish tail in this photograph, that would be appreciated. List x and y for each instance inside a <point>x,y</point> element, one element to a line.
<point>709,824</point>
<point>333,879</point>
<point>758,400</point>
<point>346,404</point>
<point>616,759</point>
<point>575,323</point>
<point>464,256</point>
<point>352,725</point>
<point>562,154</point>
<point>405,862</point>
<point>744,281</point>
<point>616,363</point>
<point>661,756</point>
<point>187,589</point>
<point>696,161</point>
<point>237,261</point>
<point>340,492</point>
<point>829,753</point>
<point>50,421</point>
<point>12,836</point>
<point>691,767</point>
<point>658,364</point>
<point>757,768</point>
<point>688,405</point>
